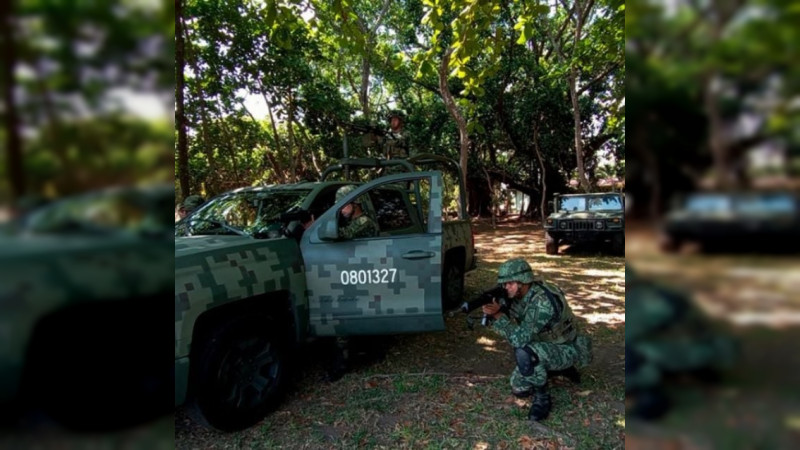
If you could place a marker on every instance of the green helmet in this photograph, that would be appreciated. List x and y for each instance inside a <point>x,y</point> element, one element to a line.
<point>343,191</point>
<point>516,269</point>
<point>191,202</point>
<point>396,113</point>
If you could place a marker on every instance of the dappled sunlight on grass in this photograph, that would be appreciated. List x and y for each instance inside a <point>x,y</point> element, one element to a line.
<point>594,284</point>
<point>486,342</point>
<point>745,289</point>
<point>755,298</point>
<point>609,318</point>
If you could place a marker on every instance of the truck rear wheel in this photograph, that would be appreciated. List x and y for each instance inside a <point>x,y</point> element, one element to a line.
<point>452,284</point>
<point>240,374</point>
<point>550,244</point>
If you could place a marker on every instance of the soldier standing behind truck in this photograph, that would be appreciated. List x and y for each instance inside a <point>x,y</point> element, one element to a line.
<point>395,141</point>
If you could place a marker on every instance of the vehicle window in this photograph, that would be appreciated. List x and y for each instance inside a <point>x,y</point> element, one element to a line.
<point>573,204</point>
<point>605,203</point>
<point>324,201</point>
<point>708,203</point>
<point>766,204</point>
<point>249,212</point>
<point>95,213</point>
<point>391,210</point>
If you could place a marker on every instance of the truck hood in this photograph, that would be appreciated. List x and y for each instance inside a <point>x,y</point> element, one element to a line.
<point>193,245</point>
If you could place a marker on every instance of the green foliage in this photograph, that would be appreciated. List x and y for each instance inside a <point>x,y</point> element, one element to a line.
<point>315,63</point>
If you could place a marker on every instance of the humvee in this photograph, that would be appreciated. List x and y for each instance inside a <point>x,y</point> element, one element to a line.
<point>763,221</point>
<point>252,284</point>
<point>589,217</point>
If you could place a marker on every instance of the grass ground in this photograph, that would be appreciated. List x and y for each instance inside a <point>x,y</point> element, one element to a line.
<point>450,389</point>
<point>757,404</point>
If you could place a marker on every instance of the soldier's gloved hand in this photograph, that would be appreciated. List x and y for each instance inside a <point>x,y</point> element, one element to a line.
<point>491,309</point>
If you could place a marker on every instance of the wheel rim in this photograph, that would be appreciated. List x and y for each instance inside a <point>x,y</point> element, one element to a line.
<point>249,373</point>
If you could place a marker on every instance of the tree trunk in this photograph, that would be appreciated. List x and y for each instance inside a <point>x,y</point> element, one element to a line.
<point>452,108</point>
<point>363,94</point>
<point>576,114</point>
<point>180,117</point>
<point>293,147</point>
<point>541,167</point>
<point>276,166</point>
<point>722,169</point>
<point>13,140</point>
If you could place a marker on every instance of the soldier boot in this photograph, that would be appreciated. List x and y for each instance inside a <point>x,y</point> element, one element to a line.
<point>541,404</point>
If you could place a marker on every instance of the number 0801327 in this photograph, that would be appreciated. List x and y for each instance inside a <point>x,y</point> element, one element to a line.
<point>371,276</point>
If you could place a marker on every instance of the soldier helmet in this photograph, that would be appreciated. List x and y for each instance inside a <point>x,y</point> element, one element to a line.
<point>516,269</point>
<point>343,191</point>
<point>396,113</point>
<point>192,202</point>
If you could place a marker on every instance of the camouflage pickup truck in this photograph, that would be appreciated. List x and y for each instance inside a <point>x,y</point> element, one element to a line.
<point>594,217</point>
<point>81,280</point>
<point>252,283</point>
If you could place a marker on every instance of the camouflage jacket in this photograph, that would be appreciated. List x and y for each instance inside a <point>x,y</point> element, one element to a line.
<point>396,146</point>
<point>361,226</point>
<point>535,319</point>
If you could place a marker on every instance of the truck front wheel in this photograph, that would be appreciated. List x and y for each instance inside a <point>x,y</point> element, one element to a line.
<point>240,374</point>
<point>550,244</point>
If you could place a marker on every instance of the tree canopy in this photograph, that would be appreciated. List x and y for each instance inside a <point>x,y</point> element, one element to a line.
<point>526,94</point>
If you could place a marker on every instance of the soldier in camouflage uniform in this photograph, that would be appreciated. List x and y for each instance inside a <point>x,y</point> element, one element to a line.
<point>540,326</point>
<point>665,334</point>
<point>189,204</point>
<point>356,223</point>
<point>395,142</point>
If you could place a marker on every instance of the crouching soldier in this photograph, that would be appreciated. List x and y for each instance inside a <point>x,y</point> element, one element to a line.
<point>541,328</point>
<point>666,335</point>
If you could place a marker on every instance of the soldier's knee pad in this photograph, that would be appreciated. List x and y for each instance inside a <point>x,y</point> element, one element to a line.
<point>526,360</point>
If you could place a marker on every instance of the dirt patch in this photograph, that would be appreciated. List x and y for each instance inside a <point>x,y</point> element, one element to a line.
<point>754,298</point>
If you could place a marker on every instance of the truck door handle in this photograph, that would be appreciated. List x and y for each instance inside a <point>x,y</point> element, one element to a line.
<point>418,254</point>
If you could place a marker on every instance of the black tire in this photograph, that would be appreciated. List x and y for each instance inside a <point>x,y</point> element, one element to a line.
<point>240,374</point>
<point>113,370</point>
<point>668,244</point>
<point>452,284</point>
<point>618,244</point>
<point>550,244</point>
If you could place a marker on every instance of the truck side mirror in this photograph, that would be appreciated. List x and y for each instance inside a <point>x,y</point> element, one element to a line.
<point>328,231</point>
<point>552,205</point>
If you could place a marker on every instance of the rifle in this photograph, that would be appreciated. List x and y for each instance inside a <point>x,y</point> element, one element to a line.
<point>498,292</point>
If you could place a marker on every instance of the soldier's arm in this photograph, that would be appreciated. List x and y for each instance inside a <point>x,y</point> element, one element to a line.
<point>537,316</point>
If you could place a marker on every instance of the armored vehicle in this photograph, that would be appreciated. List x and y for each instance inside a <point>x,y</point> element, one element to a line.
<point>586,218</point>
<point>763,221</point>
<point>81,280</point>
<point>256,277</point>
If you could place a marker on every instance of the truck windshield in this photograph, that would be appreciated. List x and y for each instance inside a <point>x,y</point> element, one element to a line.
<point>245,212</point>
<point>591,203</point>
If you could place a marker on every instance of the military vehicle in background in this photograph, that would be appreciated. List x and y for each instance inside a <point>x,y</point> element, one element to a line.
<point>82,280</point>
<point>761,221</point>
<point>255,278</point>
<point>594,217</point>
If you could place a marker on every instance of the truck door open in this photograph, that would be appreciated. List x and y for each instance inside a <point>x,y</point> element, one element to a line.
<point>380,284</point>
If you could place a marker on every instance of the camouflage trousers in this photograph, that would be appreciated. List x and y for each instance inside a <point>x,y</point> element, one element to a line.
<point>550,357</point>
<point>647,361</point>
